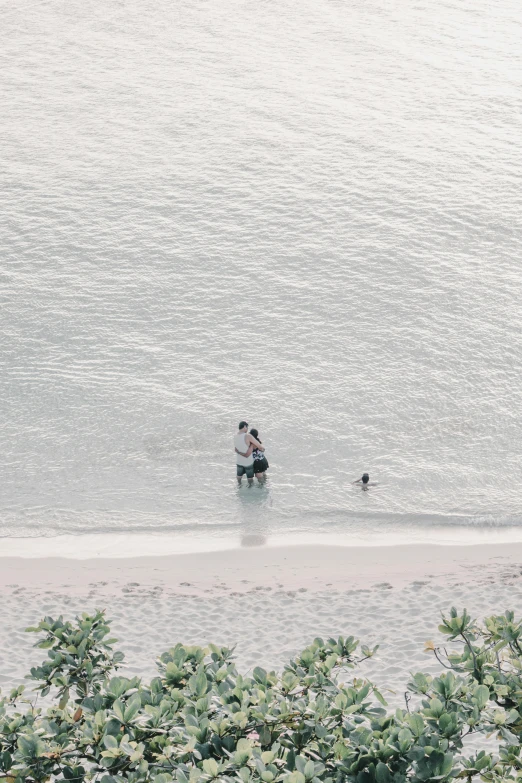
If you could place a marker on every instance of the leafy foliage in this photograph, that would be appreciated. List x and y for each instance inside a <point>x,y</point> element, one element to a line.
<point>200,720</point>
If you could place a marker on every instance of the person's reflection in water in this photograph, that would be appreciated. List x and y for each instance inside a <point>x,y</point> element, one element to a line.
<point>254,516</point>
<point>253,539</point>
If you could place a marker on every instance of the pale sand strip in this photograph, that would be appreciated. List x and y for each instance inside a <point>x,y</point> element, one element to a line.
<point>289,567</point>
<point>270,602</point>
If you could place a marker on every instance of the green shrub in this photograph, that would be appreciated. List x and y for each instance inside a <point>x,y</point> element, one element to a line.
<point>200,720</point>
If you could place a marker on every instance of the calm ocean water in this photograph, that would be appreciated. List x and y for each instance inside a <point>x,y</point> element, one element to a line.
<point>305,214</point>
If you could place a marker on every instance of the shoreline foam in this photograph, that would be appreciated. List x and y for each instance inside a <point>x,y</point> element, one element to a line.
<point>128,545</point>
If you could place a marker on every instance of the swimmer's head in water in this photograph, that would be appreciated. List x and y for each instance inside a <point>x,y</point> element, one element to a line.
<point>365,478</point>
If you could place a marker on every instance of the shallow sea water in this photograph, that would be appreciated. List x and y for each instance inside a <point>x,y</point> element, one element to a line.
<point>306,215</point>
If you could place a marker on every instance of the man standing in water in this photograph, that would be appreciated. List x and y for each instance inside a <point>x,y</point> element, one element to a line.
<point>244,444</point>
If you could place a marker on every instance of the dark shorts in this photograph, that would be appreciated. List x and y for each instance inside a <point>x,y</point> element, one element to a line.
<point>261,465</point>
<point>241,470</point>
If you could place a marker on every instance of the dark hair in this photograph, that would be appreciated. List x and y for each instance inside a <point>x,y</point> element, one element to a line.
<point>243,424</point>
<point>365,478</point>
<point>255,433</point>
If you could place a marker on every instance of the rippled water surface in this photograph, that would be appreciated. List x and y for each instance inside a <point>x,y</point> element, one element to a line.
<point>305,214</point>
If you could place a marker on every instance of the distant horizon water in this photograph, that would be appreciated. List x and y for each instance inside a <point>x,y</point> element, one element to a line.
<point>308,217</point>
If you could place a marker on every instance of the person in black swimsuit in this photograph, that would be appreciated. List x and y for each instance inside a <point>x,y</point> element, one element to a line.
<point>260,461</point>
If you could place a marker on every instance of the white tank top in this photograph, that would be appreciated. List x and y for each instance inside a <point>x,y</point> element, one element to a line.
<point>241,445</point>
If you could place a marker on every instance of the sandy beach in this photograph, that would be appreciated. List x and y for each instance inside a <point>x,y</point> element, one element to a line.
<point>268,602</point>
